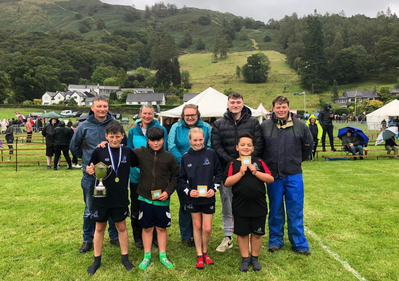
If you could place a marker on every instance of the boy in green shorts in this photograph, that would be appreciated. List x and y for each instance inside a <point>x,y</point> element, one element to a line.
<point>159,173</point>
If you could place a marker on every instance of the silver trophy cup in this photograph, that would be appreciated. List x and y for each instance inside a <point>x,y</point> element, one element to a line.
<point>101,173</point>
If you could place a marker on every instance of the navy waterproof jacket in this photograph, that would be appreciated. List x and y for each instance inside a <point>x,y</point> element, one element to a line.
<point>286,147</point>
<point>200,167</point>
<point>87,136</point>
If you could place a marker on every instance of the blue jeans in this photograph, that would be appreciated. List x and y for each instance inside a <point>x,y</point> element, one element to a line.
<point>89,225</point>
<point>356,148</point>
<point>291,190</point>
<point>185,220</point>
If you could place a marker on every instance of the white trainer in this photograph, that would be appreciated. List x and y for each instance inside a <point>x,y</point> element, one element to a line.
<point>73,166</point>
<point>78,166</point>
<point>227,243</point>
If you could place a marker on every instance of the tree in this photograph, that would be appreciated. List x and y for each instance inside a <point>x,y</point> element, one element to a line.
<point>314,73</point>
<point>200,45</point>
<point>387,51</point>
<point>396,86</point>
<point>122,77</point>
<point>238,72</point>
<point>334,90</point>
<point>4,84</point>
<point>167,73</point>
<point>256,69</point>
<point>267,38</point>
<point>72,102</point>
<point>228,91</point>
<point>185,79</point>
<point>124,95</point>
<point>385,94</point>
<point>100,24</point>
<point>186,41</point>
<point>101,73</point>
<point>243,34</point>
<point>204,20</point>
<point>373,105</point>
<point>113,97</point>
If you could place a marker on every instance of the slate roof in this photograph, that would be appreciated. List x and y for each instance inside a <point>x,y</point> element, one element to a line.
<point>158,97</point>
<point>361,94</point>
<point>188,97</point>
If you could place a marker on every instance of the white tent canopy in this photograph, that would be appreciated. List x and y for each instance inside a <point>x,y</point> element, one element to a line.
<point>211,103</point>
<point>374,118</point>
<point>263,110</point>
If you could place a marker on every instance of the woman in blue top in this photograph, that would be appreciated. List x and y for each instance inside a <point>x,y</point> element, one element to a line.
<point>137,138</point>
<point>178,144</point>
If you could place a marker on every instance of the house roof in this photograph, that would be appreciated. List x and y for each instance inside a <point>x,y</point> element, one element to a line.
<point>80,93</point>
<point>361,94</point>
<point>145,97</point>
<point>51,94</point>
<point>394,91</point>
<point>188,97</point>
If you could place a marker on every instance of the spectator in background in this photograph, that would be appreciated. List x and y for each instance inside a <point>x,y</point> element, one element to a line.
<point>352,144</point>
<point>167,124</point>
<point>29,130</point>
<point>62,137</point>
<point>325,118</point>
<point>48,133</point>
<point>316,130</point>
<point>39,125</point>
<point>10,136</point>
<point>4,126</point>
<point>178,144</point>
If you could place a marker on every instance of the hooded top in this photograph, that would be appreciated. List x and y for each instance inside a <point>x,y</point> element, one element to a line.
<point>48,132</point>
<point>62,135</point>
<point>137,139</point>
<point>178,142</point>
<point>225,133</point>
<point>316,129</point>
<point>87,136</point>
<point>324,115</point>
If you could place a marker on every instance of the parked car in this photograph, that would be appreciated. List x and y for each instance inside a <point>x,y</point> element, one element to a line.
<point>67,113</point>
<point>83,117</point>
<point>76,114</point>
<point>125,120</point>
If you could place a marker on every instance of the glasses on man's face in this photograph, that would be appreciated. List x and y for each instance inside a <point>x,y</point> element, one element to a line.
<point>190,116</point>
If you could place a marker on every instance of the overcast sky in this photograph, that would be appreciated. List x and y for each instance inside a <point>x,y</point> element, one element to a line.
<point>264,10</point>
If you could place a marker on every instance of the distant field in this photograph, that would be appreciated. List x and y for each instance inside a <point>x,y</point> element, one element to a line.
<point>221,76</point>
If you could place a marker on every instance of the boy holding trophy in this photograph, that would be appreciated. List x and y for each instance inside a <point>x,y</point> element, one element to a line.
<point>111,164</point>
<point>247,177</point>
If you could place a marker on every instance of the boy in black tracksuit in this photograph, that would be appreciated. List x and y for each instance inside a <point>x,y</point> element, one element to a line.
<point>116,202</point>
<point>200,176</point>
<point>249,199</point>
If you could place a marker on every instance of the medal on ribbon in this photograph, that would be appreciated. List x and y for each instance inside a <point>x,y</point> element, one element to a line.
<point>115,168</point>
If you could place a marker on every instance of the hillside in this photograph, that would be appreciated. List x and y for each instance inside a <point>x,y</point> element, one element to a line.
<point>47,16</point>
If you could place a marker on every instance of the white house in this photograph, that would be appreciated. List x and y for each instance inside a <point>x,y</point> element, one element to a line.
<point>55,97</point>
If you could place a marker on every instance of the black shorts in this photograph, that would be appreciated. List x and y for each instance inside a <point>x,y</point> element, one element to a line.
<point>50,150</point>
<point>152,215</point>
<point>101,214</point>
<point>205,209</point>
<point>243,226</point>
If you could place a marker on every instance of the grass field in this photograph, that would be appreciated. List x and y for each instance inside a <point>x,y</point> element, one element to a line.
<point>350,212</point>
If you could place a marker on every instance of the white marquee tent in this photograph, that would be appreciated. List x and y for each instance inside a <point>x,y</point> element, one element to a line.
<point>211,103</point>
<point>386,112</point>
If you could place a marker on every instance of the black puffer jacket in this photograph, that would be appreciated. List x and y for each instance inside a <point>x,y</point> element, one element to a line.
<point>324,115</point>
<point>286,148</point>
<point>225,133</point>
<point>48,132</point>
<point>62,135</point>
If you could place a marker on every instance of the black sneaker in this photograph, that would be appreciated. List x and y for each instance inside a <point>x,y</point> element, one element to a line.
<point>273,249</point>
<point>86,246</point>
<point>333,149</point>
<point>48,167</point>
<point>324,149</point>
<point>304,252</point>
<point>115,243</point>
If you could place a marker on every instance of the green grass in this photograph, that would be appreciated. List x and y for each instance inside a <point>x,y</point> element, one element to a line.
<point>351,206</point>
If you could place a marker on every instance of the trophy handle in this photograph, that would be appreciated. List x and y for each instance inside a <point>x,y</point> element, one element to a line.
<point>110,166</point>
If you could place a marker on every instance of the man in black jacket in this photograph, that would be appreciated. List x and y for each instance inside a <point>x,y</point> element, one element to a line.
<point>288,142</point>
<point>325,118</point>
<point>48,133</point>
<point>224,138</point>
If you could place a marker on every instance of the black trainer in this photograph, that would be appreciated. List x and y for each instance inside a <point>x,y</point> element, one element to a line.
<point>333,149</point>
<point>115,243</point>
<point>304,252</point>
<point>86,246</point>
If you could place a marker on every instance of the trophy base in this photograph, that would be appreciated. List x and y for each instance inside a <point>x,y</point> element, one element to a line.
<point>99,193</point>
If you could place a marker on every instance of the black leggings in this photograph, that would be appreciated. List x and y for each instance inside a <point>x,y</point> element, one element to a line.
<point>329,130</point>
